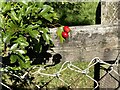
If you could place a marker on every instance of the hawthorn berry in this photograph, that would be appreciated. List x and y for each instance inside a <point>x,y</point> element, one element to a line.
<point>64,34</point>
<point>66,29</point>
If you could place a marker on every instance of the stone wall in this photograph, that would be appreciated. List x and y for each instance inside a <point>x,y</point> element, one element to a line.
<point>87,42</point>
<point>109,12</point>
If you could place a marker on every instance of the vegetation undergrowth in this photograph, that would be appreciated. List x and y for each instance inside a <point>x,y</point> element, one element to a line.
<point>72,78</point>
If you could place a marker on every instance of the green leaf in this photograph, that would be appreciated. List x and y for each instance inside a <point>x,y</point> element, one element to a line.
<point>13,58</point>
<point>45,30</point>
<point>1,44</point>
<point>28,10</point>
<point>15,68</point>
<point>45,13</point>
<point>59,31</point>
<point>61,39</point>
<point>24,27</point>
<point>59,34</point>
<point>7,7</point>
<point>39,3</point>
<point>35,9</point>
<point>6,38</point>
<point>48,17</point>
<point>22,64</point>
<point>25,2</point>
<point>46,8</point>
<point>22,42</point>
<point>2,3</point>
<point>14,46</point>
<point>2,21</point>
<point>39,22</point>
<point>31,27</point>
<point>12,26</point>
<point>27,58</point>
<point>27,64</point>
<point>21,51</point>
<point>33,33</point>
<point>46,37</point>
<point>13,15</point>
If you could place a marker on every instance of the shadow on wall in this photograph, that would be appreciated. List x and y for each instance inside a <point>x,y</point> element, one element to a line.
<point>37,58</point>
<point>55,60</point>
<point>44,57</point>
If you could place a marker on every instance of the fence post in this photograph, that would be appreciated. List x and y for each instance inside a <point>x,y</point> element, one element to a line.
<point>109,16</point>
<point>97,74</point>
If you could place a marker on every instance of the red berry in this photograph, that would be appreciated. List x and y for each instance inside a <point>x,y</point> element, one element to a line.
<point>64,34</point>
<point>66,29</point>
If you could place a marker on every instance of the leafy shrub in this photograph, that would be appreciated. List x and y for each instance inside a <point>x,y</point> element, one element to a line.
<point>23,31</point>
<point>24,35</point>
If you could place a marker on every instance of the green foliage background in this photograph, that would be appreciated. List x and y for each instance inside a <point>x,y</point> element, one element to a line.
<point>76,13</point>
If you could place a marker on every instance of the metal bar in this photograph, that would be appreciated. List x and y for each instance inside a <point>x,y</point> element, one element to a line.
<point>97,75</point>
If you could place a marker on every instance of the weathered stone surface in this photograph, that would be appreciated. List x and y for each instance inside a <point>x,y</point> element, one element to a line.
<point>109,12</point>
<point>87,42</point>
<point>110,80</point>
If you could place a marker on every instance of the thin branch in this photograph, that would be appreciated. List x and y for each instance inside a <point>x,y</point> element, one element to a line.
<point>5,86</point>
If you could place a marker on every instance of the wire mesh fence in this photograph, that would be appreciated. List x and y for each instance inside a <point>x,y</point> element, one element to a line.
<point>80,77</point>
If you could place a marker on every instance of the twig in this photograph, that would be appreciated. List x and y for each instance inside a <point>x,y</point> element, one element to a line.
<point>5,86</point>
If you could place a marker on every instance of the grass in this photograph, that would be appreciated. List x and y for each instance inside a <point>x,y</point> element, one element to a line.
<point>72,78</point>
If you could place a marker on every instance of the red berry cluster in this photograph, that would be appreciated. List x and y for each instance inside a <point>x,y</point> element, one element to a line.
<point>65,32</point>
